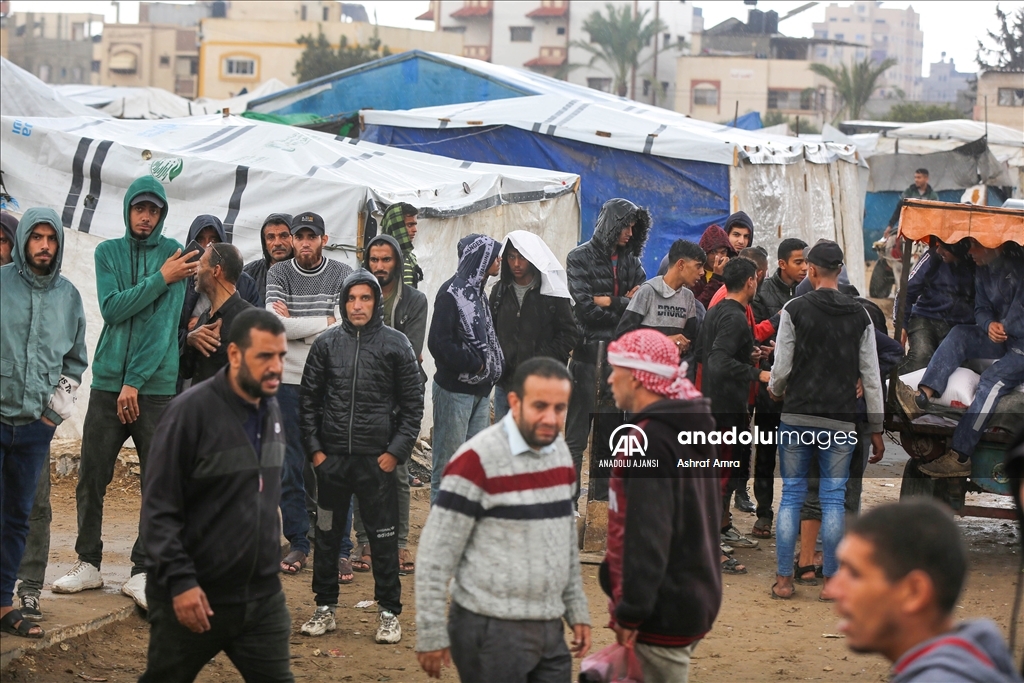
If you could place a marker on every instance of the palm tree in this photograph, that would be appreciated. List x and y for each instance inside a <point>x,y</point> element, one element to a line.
<point>616,40</point>
<point>854,86</point>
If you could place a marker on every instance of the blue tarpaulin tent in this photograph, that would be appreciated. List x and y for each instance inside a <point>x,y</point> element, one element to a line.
<point>749,121</point>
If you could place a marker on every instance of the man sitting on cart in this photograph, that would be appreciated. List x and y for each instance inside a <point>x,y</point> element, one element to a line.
<point>998,335</point>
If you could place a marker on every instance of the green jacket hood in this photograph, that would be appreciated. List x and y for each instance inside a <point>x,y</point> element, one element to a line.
<point>146,183</point>
<point>29,220</point>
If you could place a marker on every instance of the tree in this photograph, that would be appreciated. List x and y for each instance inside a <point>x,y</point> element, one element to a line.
<point>854,86</point>
<point>320,59</point>
<point>616,40</point>
<point>919,112</point>
<point>1008,52</point>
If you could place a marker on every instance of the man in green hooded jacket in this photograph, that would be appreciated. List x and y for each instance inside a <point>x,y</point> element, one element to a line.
<point>400,222</point>
<point>140,287</point>
<point>42,358</point>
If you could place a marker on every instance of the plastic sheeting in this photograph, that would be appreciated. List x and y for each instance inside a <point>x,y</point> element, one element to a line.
<point>685,196</point>
<point>129,102</point>
<point>22,94</point>
<point>953,170</point>
<point>749,121</point>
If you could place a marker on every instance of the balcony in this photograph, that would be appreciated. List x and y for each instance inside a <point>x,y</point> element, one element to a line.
<point>473,9</point>
<point>549,57</point>
<point>550,9</point>
<point>481,52</point>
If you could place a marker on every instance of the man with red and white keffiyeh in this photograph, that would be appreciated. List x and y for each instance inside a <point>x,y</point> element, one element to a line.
<point>661,571</point>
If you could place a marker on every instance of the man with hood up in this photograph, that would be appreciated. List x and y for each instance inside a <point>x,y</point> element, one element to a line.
<point>466,351</point>
<point>603,275</point>
<point>42,357</point>
<point>8,226</point>
<point>531,307</point>
<point>718,248</point>
<point>140,286</point>
<point>399,221</point>
<point>356,433</point>
<point>276,240</point>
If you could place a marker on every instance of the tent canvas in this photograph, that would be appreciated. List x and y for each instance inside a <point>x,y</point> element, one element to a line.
<point>129,102</point>
<point>22,94</point>
<point>241,171</point>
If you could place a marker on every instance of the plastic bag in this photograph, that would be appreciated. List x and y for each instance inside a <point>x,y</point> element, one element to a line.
<point>614,664</point>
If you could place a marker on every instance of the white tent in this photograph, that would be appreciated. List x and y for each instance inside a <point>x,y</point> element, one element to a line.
<point>129,102</point>
<point>239,103</point>
<point>790,187</point>
<point>22,94</point>
<point>243,170</point>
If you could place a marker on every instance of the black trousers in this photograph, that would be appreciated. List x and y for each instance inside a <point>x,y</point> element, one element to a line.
<point>254,635</point>
<point>338,478</point>
<point>764,464</point>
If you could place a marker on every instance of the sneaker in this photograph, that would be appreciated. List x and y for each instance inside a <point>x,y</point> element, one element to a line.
<point>388,629</point>
<point>321,622</point>
<point>733,537</point>
<point>743,502</point>
<point>726,549</point>
<point>946,466</point>
<point>82,577</point>
<point>30,607</point>
<point>913,402</point>
<point>135,588</point>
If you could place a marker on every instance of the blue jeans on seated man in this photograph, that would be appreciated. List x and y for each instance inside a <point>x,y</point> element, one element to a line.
<point>457,418</point>
<point>965,342</point>
<point>796,451</point>
<point>294,516</point>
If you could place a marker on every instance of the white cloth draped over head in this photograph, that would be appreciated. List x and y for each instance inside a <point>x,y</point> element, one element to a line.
<point>553,281</point>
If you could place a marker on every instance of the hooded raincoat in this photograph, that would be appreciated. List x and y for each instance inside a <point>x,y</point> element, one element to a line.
<point>138,346</point>
<point>258,268</point>
<point>42,336</point>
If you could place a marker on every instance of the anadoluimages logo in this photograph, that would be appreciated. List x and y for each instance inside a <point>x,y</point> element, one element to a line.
<point>628,440</point>
<point>166,169</point>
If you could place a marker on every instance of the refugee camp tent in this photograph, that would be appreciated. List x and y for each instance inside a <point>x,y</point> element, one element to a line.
<point>129,102</point>
<point>238,103</point>
<point>242,170</point>
<point>689,173</point>
<point>22,94</point>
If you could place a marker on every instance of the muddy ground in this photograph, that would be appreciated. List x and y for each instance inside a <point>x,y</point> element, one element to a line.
<point>754,638</point>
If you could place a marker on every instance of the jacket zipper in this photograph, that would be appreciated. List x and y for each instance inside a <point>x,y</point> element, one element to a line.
<point>352,401</point>
<point>259,512</point>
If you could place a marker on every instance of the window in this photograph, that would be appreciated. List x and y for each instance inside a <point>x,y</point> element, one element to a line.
<point>76,74</point>
<point>302,13</point>
<point>821,52</point>
<point>647,88</point>
<point>802,100</point>
<point>239,66</point>
<point>521,34</point>
<point>846,20</point>
<point>840,36</point>
<point>560,30</point>
<point>602,84</point>
<point>453,29</point>
<point>705,96</point>
<point>1011,97</point>
<point>860,37</point>
<point>165,60</point>
<point>95,66</point>
<point>821,34</point>
<point>831,18</point>
<point>667,38</point>
<point>326,13</point>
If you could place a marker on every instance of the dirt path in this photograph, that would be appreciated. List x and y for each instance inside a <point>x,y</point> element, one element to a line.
<point>754,639</point>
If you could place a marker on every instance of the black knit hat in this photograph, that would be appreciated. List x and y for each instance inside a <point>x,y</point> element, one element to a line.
<point>826,254</point>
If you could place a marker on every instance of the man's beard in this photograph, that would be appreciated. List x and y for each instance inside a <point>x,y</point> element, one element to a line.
<point>385,280</point>
<point>251,386</point>
<point>530,436</point>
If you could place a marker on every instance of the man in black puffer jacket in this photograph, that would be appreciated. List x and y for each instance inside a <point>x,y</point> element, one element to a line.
<point>360,408</point>
<point>603,274</point>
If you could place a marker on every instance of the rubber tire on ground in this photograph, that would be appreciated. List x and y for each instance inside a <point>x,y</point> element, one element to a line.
<point>916,484</point>
<point>882,281</point>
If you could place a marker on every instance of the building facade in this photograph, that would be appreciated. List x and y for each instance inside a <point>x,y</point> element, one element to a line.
<point>879,33</point>
<point>55,47</point>
<point>1001,98</point>
<point>944,83</point>
<point>154,55</point>
<point>540,35</point>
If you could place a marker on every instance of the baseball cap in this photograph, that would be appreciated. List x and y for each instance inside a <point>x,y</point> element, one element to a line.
<point>308,219</point>
<point>826,254</point>
<point>148,197</point>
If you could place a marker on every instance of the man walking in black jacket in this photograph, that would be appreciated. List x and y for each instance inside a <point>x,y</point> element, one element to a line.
<point>209,517</point>
<point>531,309</point>
<point>603,275</point>
<point>361,404</point>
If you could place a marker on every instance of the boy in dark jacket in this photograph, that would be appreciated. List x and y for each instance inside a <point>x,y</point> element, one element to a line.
<point>531,309</point>
<point>661,569</point>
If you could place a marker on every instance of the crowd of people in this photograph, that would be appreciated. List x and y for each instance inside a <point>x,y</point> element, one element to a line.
<point>294,385</point>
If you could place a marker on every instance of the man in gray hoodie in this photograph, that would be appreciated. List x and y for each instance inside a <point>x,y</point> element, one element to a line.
<point>901,569</point>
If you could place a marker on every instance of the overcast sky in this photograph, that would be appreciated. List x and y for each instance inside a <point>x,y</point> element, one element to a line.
<point>952,26</point>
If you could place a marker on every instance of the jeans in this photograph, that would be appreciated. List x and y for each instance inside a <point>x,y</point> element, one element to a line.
<point>811,509</point>
<point>294,517</point>
<point>764,465</point>
<point>965,342</point>
<point>507,651</point>
<point>834,465</point>
<point>457,418</point>
<point>924,335</point>
<point>583,404</point>
<point>23,450</point>
<point>338,478</point>
<point>500,403</point>
<point>103,435</point>
<point>665,664</point>
<point>404,500</point>
<point>32,571</point>
<point>253,634</point>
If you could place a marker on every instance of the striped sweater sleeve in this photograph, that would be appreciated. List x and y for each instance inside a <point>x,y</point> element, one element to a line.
<point>577,611</point>
<point>295,327</point>
<point>447,531</point>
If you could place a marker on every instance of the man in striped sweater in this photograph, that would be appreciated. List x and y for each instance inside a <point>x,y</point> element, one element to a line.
<point>303,293</point>
<point>503,526</point>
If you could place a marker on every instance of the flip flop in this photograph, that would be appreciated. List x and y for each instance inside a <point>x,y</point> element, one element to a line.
<point>24,628</point>
<point>345,569</point>
<point>294,562</point>
<point>405,565</point>
<point>761,531</point>
<point>364,562</point>
<point>776,596</point>
<point>733,566</point>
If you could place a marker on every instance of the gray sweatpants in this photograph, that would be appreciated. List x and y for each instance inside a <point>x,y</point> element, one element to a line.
<point>505,651</point>
<point>665,664</point>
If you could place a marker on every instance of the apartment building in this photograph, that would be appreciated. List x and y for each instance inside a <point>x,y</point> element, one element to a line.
<point>55,47</point>
<point>1001,98</point>
<point>540,35</point>
<point>153,55</point>
<point>882,33</point>
<point>944,84</point>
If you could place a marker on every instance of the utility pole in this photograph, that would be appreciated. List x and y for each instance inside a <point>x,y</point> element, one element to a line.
<point>632,84</point>
<point>654,75</point>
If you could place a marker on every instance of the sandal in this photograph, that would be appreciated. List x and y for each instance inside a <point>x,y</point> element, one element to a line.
<point>761,530</point>
<point>405,565</point>
<point>345,571</point>
<point>799,572</point>
<point>776,596</point>
<point>294,562</point>
<point>362,563</point>
<point>732,566</point>
<point>415,483</point>
<point>17,625</point>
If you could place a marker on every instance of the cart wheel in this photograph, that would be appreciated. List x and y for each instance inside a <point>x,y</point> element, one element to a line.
<point>915,483</point>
